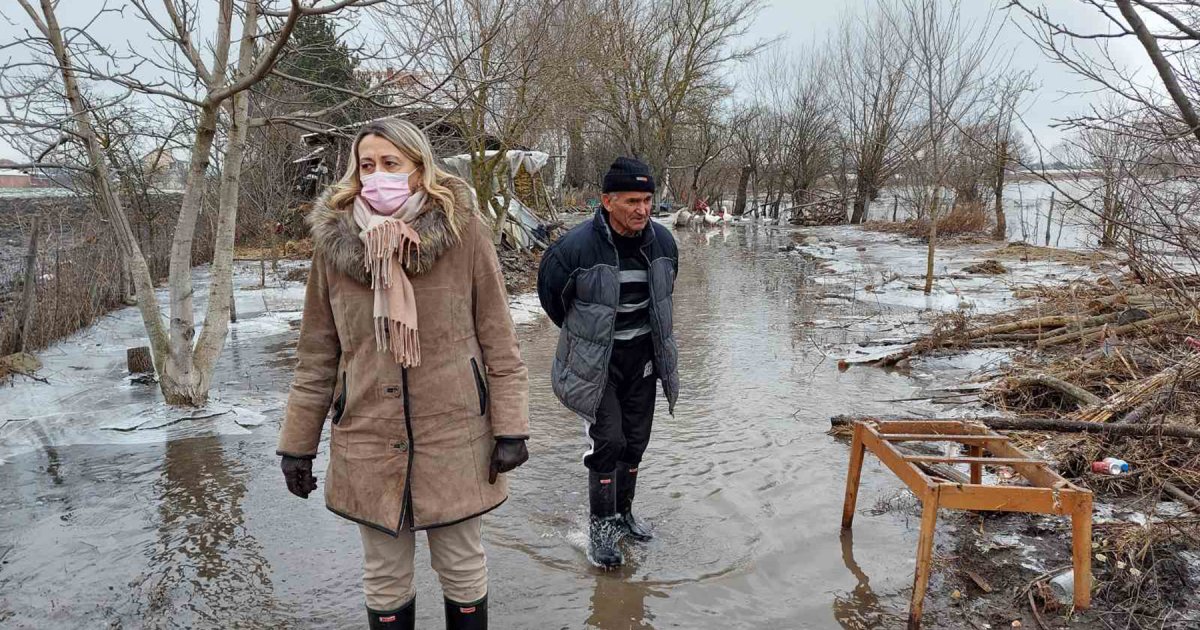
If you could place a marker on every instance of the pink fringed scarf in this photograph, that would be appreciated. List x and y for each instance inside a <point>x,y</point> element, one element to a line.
<point>390,244</point>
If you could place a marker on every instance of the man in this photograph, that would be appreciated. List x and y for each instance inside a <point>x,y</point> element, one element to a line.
<point>607,284</point>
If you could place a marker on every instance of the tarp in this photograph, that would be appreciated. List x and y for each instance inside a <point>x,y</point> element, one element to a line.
<point>523,227</point>
<point>533,161</point>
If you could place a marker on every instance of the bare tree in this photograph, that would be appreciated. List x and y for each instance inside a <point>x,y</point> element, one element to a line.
<point>499,74</point>
<point>809,139</point>
<point>657,62</point>
<point>1143,144</point>
<point>210,87</point>
<point>870,78</point>
<point>948,73</point>
<point>1001,139</point>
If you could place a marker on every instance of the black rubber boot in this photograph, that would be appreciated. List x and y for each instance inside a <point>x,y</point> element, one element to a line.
<point>471,616</point>
<point>403,618</point>
<point>626,484</point>
<point>604,530</point>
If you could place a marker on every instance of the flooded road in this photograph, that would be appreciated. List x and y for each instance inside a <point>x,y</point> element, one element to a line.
<point>742,486</point>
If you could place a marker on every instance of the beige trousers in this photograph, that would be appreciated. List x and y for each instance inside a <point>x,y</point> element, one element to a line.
<point>456,553</point>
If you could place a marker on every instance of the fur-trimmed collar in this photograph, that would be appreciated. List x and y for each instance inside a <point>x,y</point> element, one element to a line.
<point>335,234</point>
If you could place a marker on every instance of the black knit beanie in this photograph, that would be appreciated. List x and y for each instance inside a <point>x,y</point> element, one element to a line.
<point>628,175</point>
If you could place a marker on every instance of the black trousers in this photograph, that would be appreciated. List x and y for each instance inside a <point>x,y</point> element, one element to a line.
<point>621,431</point>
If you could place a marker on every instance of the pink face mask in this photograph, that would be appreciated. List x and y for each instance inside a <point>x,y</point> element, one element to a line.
<point>386,192</point>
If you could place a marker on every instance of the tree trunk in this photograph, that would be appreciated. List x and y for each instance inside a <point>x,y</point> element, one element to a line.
<point>1049,218</point>
<point>862,192</point>
<point>179,378</point>
<point>1001,233</point>
<point>576,176</point>
<point>220,295</point>
<point>128,289</point>
<point>138,360</point>
<point>933,222</point>
<point>739,202</point>
<point>101,178</point>
<point>1109,214</point>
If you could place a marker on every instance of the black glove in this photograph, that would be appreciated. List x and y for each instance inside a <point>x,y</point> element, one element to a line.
<point>507,455</point>
<point>297,472</point>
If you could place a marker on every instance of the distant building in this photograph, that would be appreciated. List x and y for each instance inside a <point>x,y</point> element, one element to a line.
<point>13,178</point>
<point>164,171</point>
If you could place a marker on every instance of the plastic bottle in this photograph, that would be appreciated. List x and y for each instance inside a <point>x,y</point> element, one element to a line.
<point>1124,465</point>
<point>1106,468</point>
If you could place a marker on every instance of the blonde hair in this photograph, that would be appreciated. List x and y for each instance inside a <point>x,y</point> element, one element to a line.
<point>415,146</point>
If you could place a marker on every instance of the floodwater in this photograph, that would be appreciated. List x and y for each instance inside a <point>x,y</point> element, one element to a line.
<point>118,513</point>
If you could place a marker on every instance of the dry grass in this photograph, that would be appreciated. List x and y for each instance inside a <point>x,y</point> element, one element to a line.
<point>1026,252</point>
<point>79,266</point>
<point>964,220</point>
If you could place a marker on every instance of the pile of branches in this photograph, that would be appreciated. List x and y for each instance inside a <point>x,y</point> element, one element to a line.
<point>1091,317</point>
<point>1113,366</point>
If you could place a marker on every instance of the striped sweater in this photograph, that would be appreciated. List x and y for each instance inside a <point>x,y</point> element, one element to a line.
<point>633,313</point>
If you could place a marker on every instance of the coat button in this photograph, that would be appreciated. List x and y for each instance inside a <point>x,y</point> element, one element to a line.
<point>401,446</point>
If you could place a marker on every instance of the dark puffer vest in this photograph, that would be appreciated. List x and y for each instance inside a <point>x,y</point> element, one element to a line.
<point>579,285</point>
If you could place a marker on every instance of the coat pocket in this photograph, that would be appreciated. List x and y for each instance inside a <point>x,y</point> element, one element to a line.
<point>480,386</point>
<point>339,405</point>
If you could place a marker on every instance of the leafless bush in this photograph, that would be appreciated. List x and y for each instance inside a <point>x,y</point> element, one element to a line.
<point>79,269</point>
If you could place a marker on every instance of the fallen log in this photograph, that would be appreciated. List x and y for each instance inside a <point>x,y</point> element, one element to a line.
<point>1097,332</point>
<point>1140,392</point>
<point>1076,393</point>
<point>1182,496</point>
<point>1049,321</point>
<point>1017,337</point>
<point>1048,424</point>
<point>1144,410</point>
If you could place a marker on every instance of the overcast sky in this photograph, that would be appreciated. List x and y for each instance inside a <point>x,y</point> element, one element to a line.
<point>799,24</point>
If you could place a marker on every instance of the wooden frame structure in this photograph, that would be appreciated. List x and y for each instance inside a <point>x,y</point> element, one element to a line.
<point>1048,494</point>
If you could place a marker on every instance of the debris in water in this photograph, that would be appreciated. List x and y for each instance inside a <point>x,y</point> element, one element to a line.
<point>988,267</point>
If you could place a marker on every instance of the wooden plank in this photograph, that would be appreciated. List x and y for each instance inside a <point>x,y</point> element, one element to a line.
<point>989,461</point>
<point>1048,424</point>
<point>894,460</point>
<point>924,557</point>
<point>976,468</point>
<point>1039,475</point>
<point>928,426</point>
<point>983,440</point>
<point>1008,499</point>
<point>1081,551</point>
<point>853,476</point>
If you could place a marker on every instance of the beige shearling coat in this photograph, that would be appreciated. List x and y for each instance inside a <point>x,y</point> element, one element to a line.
<point>420,439</point>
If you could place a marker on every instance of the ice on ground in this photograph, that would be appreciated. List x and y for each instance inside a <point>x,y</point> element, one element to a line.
<point>525,309</point>
<point>91,399</point>
<point>881,277</point>
<point>889,270</point>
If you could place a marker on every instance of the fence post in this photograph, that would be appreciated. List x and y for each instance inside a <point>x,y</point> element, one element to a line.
<point>232,306</point>
<point>1049,218</point>
<point>30,285</point>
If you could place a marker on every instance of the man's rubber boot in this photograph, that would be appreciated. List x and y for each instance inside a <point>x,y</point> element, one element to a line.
<point>403,618</point>
<point>472,616</point>
<point>626,484</point>
<point>603,528</point>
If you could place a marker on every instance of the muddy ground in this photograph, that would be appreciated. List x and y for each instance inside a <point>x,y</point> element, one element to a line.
<point>124,513</point>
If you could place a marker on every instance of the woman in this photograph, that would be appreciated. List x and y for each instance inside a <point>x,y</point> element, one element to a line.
<point>406,336</point>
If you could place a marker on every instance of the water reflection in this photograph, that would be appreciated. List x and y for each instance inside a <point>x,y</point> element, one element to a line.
<point>618,603</point>
<point>860,608</point>
<point>204,567</point>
